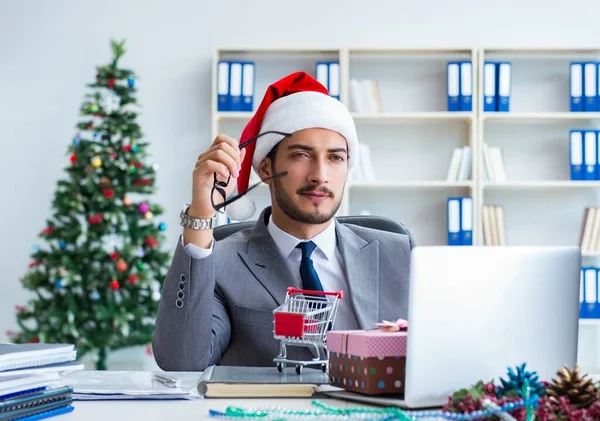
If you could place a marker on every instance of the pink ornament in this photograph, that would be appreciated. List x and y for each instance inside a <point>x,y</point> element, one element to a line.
<point>143,208</point>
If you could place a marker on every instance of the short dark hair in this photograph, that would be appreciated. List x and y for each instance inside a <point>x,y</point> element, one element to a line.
<point>272,153</point>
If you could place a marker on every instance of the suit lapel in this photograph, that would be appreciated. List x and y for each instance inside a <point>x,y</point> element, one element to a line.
<point>266,264</point>
<point>361,260</point>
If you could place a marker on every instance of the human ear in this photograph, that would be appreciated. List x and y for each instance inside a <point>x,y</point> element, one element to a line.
<point>265,169</point>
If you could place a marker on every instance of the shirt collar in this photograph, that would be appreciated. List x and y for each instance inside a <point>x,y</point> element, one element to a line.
<point>286,242</point>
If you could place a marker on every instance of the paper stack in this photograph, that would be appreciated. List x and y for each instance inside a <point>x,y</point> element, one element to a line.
<point>127,385</point>
<point>29,380</point>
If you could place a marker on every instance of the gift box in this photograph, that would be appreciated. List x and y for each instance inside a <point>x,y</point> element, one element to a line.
<point>370,362</point>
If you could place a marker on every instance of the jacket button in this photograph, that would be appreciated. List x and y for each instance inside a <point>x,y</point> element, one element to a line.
<point>182,286</point>
<point>179,303</point>
<point>180,295</point>
<point>182,277</point>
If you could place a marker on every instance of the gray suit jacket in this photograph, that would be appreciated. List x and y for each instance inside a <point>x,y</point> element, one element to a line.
<point>225,310</point>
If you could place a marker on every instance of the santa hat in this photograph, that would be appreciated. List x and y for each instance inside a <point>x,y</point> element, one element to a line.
<point>293,103</point>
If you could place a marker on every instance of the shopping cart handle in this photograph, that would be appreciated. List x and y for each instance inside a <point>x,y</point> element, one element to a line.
<point>292,291</point>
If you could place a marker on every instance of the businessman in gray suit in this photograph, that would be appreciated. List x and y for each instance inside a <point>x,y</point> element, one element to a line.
<point>219,296</point>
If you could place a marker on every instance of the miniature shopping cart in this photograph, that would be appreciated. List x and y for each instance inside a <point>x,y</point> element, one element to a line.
<point>303,320</point>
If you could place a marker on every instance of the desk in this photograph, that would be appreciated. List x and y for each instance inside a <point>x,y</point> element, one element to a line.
<point>179,410</point>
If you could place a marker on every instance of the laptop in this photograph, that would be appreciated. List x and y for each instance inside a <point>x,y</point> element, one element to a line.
<point>475,311</point>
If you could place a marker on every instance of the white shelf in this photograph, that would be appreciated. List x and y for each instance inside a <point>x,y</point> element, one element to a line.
<point>589,322</point>
<point>434,184</point>
<point>512,116</point>
<point>234,115</point>
<point>442,115</point>
<point>532,185</point>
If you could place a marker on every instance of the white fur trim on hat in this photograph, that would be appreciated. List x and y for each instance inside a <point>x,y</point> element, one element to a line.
<point>306,110</point>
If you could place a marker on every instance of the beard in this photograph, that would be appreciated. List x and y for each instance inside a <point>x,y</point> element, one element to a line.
<point>288,207</point>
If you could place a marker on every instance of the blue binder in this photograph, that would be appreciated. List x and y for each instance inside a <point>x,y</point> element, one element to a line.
<point>576,86</point>
<point>453,85</point>
<point>466,86</point>
<point>453,221</point>
<point>466,221</point>
<point>333,85</point>
<point>248,83</point>
<point>322,73</point>
<point>223,103</point>
<point>489,86</point>
<point>576,157</point>
<point>597,155</point>
<point>590,154</point>
<point>590,306</point>
<point>235,86</point>
<point>590,91</point>
<point>503,85</point>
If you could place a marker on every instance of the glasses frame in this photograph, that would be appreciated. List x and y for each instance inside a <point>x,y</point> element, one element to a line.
<point>219,185</point>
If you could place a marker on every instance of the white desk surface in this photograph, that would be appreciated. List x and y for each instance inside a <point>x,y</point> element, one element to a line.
<point>180,410</point>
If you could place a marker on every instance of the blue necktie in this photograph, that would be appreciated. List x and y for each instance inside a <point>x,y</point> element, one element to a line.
<point>310,279</point>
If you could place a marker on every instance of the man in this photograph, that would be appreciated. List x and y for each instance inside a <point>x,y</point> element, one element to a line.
<point>219,296</point>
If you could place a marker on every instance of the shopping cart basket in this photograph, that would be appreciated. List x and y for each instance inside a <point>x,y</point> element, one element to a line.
<point>303,320</point>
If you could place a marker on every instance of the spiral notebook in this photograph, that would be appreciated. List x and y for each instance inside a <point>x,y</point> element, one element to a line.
<point>18,356</point>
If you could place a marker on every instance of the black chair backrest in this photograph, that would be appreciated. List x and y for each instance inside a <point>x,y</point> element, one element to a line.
<point>369,221</point>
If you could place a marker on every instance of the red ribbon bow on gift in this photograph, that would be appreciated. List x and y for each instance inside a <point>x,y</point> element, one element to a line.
<point>393,326</point>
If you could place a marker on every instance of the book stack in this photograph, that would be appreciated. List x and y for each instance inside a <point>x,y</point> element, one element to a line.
<point>494,231</point>
<point>494,164</point>
<point>365,97</point>
<point>29,380</point>
<point>589,238</point>
<point>460,164</point>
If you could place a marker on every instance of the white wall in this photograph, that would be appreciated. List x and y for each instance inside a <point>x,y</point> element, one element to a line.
<point>48,52</point>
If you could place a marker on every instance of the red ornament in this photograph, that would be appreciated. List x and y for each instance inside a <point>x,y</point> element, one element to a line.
<point>142,182</point>
<point>48,230</point>
<point>111,82</point>
<point>151,241</point>
<point>137,164</point>
<point>132,279</point>
<point>108,193</point>
<point>34,263</point>
<point>19,308</point>
<point>34,340</point>
<point>113,155</point>
<point>73,158</point>
<point>96,219</point>
<point>114,256</point>
<point>126,148</point>
<point>90,125</point>
<point>121,265</point>
<point>114,284</point>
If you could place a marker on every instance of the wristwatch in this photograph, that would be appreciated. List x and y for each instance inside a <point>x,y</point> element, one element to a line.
<point>187,221</point>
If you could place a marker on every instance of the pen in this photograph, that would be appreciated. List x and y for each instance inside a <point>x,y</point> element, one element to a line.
<point>166,380</point>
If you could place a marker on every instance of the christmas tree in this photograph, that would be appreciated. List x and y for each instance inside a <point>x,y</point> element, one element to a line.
<point>96,281</point>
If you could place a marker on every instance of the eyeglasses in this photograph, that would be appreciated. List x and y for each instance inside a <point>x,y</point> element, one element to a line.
<point>218,185</point>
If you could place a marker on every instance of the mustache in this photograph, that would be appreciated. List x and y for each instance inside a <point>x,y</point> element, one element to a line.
<point>315,189</point>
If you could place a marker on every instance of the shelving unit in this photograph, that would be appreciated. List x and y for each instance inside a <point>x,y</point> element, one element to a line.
<point>413,128</point>
<point>412,140</point>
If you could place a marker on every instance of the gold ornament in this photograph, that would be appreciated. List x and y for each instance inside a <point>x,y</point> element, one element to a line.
<point>126,201</point>
<point>105,183</point>
<point>149,215</point>
<point>96,161</point>
<point>579,390</point>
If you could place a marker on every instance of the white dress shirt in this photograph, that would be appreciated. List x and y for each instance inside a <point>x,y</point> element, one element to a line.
<point>327,261</point>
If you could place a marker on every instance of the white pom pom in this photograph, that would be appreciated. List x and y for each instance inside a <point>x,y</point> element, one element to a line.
<point>241,209</point>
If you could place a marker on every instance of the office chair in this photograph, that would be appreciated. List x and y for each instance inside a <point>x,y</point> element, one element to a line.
<point>370,221</point>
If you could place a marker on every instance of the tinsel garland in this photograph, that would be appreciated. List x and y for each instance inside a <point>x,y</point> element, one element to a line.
<point>380,414</point>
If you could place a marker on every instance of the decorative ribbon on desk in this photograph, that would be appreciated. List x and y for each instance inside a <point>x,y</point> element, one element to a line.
<point>528,400</point>
<point>364,413</point>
